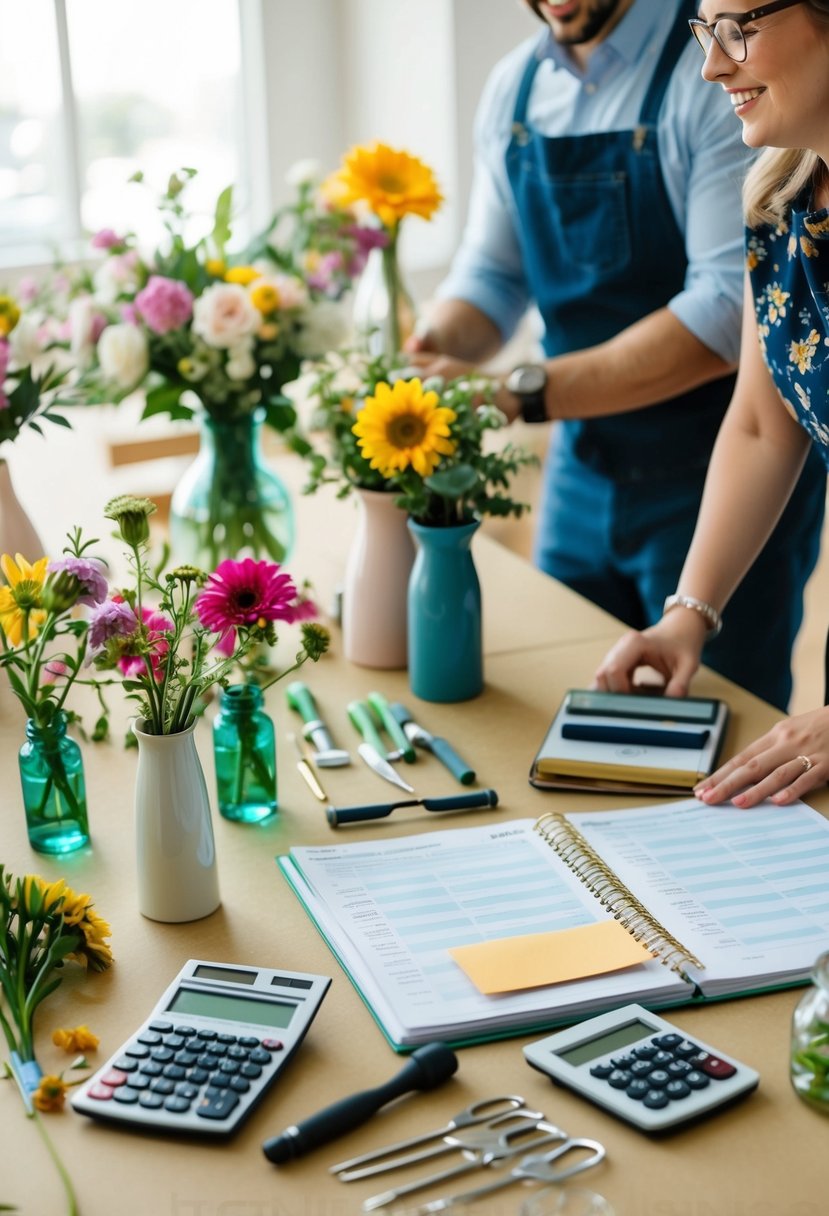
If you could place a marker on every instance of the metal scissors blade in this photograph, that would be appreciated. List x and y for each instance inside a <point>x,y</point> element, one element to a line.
<point>537,1168</point>
<point>487,1147</point>
<point>482,1111</point>
<point>448,1144</point>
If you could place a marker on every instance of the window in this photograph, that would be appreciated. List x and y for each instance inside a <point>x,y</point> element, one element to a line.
<point>91,92</point>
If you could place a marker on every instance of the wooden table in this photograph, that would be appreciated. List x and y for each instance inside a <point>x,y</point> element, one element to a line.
<point>763,1158</point>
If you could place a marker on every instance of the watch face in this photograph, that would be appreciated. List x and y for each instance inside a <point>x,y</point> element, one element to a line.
<point>527,379</point>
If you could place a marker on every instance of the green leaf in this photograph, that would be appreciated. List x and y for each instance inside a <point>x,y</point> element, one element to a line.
<point>279,413</point>
<point>454,482</point>
<point>221,220</point>
<point>165,399</point>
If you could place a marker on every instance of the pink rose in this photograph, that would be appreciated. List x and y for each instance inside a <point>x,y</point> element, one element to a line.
<point>165,304</point>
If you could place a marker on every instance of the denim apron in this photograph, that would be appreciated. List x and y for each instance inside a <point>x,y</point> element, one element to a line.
<point>601,249</point>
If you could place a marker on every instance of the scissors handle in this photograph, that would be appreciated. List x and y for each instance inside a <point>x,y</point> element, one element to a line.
<point>481,1111</point>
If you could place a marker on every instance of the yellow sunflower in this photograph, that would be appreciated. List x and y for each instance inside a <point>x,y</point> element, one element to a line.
<point>21,599</point>
<point>390,182</point>
<point>401,426</point>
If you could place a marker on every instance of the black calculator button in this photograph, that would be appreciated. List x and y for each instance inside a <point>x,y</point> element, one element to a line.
<point>198,1075</point>
<point>641,1068</point>
<point>206,1035</point>
<point>150,1038</point>
<point>217,1049</point>
<point>253,1071</point>
<point>678,1069</point>
<point>205,1061</point>
<point>656,1099</point>
<point>161,1027</point>
<point>622,1061</point>
<point>230,1067</point>
<point>162,1085</point>
<point>719,1070</point>
<point>175,1072</point>
<point>218,1107</point>
<point>185,1058</point>
<point>637,1089</point>
<point>186,1031</point>
<point>194,1044</point>
<point>162,1055</point>
<point>661,1059</point>
<point>138,1051</point>
<point>219,1080</point>
<point>248,1041</point>
<point>677,1089</point>
<point>177,1104</point>
<point>646,1052</point>
<point>237,1053</point>
<point>602,1071</point>
<point>227,1038</point>
<point>150,1100</point>
<point>186,1090</point>
<point>686,1049</point>
<point>667,1041</point>
<point>126,1094</point>
<point>175,1041</point>
<point>125,1064</point>
<point>239,1085</point>
<point>151,1068</point>
<point>620,1078</point>
<point>258,1056</point>
<point>696,1079</point>
<point>658,1078</point>
<point>212,1091</point>
<point>140,1081</point>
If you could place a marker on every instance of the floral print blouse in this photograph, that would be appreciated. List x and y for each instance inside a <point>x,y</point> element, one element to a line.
<point>789,270</point>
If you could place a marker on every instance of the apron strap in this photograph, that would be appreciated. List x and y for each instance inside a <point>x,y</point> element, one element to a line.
<point>675,44</point>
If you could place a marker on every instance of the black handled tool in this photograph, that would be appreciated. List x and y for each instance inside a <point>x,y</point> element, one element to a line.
<point>427,1068</point>
<point>379,810</point>
<point>439,747</point>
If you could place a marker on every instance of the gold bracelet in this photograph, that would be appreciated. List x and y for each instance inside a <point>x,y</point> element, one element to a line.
<point>707,611</point>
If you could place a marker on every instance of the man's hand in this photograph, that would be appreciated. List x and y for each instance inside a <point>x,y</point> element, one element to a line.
<point>430,362</point>
<point>671,647</point>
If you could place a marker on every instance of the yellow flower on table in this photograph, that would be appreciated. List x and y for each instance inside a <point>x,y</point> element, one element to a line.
<point>78,1039</point>
<point>391,183</point>
<point>50,1094</point>
<point>20,600</point>
<point>401,426</point>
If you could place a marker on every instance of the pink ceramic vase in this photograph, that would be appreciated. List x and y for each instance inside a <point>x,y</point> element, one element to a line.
<point>376,584</point>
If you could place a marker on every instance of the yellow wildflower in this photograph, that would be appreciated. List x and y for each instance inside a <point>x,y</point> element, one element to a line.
<point>50,1094</point>
<point>268,331</point>
<point>401,426</point>
<point>809,248</point>
<point>20,600</point>
<point>80,1039</point>
<point>390,182</point>
<point>264,297</point>
<point>216,267</point>
<point>9,315</point>
<point>242,274</point>
<point>93,951</point>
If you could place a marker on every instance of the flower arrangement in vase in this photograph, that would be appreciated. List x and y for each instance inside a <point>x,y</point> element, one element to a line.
<point>389,184</point>
<point>214,334</point>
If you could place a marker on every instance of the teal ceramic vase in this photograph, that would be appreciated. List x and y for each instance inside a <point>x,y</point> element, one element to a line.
<point>244,749</point>
<point>229,503</point>
<point>54,788</point>
<point>445,633</point>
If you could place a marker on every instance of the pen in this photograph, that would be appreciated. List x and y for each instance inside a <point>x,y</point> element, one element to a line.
<point>649,736</point>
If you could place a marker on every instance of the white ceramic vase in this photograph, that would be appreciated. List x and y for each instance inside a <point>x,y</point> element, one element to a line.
<point>176,853</point>
<point>376,584</point>
<point>17,532</point>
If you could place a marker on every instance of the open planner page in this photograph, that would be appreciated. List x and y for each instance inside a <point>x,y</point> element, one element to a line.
<point>743,890</point>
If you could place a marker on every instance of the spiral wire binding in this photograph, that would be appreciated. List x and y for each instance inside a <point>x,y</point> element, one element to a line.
<point>580,857</point>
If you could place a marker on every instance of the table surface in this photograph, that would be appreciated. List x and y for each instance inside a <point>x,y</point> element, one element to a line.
<point>761,1158</point>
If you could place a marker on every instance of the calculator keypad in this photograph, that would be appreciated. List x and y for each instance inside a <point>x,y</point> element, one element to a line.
<point>665,1069</point>
<point>181,1069</point>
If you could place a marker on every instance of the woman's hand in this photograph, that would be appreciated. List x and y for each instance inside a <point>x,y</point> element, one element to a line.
<point>672,647</point>
<point>783,765</point>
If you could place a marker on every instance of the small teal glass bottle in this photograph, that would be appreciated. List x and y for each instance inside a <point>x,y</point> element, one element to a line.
<point>244,748</point>
<point>54,788</point>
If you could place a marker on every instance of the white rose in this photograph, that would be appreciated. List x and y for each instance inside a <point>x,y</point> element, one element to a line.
<point>304,173</point>
<point>324,327</point>
<point>241,364</point>
<point>82,314</point>
<point>223,315</point>
<point>116,277</point>
<point>24,341</point>
<point>123,355</point>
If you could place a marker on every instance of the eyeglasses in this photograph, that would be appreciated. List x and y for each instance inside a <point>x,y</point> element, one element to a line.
<point>728,29</point>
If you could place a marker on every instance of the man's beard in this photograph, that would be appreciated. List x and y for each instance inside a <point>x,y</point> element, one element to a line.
<point>598,14</point>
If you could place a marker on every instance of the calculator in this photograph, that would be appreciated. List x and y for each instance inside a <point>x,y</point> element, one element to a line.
<point>213,1045</point>
<point>641,1068</point>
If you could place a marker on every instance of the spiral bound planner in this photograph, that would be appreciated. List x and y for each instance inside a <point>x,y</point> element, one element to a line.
<point>728,902</point>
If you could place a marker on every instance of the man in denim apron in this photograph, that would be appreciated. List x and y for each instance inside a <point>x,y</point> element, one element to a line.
<point>607,192</point>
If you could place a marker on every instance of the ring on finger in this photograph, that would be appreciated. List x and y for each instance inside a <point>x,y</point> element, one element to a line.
<point>805,761</point>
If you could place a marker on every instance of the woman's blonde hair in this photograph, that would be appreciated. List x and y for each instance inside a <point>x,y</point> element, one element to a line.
<point>779,174</point>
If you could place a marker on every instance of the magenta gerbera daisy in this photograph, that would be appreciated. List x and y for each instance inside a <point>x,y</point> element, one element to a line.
<point>246,593</point>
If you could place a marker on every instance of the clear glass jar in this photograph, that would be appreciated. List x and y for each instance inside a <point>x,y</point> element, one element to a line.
<point>384,312</point>
<point>244,748</point>
<point>810,1040</point>
<point>54,788</point>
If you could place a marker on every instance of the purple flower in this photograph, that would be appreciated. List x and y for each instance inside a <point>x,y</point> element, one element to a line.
<point>4,359</point>
<point>112,619</point>
<point>365,239</point>
<point>323,277</point>
<point>164,304</point>
<point>89,573</point>
<point>106,238</point>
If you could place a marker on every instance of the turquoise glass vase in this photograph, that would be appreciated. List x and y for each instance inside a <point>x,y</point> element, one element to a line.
<point>244,748</point>
<point>54,788</point>
<point>229,503</point>
<point>444,604</point>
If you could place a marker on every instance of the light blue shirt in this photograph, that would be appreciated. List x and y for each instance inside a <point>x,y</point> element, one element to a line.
<point>702,156</point>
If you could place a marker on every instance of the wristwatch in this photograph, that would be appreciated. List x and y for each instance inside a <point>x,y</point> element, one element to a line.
<point>527,382</point>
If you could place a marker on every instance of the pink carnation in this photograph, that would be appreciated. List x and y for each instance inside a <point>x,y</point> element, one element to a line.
<point>4,359</point>
<point>106,238</point>
<point>157,627</point>
<point>245,593</point>
<point>165,304</point>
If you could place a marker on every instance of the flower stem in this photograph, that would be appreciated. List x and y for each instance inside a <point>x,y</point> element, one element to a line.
<point>69,1190</point>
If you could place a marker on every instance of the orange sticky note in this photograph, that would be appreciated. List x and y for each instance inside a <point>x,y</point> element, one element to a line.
<point>535,959</point>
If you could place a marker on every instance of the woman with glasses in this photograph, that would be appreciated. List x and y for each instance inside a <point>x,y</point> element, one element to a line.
<point>773,62</point>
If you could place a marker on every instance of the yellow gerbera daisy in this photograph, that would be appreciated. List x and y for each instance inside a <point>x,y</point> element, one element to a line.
<point>21,598</point>
<point>390,182</point>
<point>401,426</point>
<point>242,274</point>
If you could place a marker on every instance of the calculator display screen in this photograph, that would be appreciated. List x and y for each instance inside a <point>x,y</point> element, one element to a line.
<point>230,975</point>
<point>621,1036</point>
<point>640,705</point>
<point>232,1008</point>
